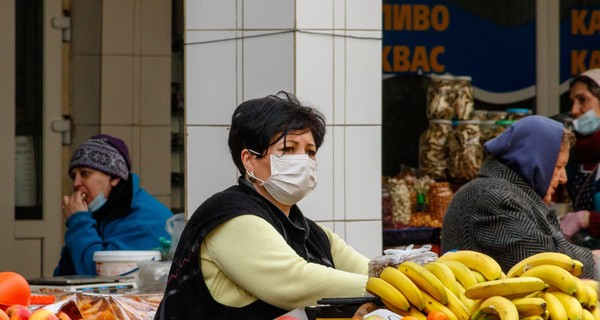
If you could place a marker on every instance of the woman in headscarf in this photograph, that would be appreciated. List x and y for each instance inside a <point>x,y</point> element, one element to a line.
<point>504,212</point>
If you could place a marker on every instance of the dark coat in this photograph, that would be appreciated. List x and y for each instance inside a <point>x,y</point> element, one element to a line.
<point>499,214</point>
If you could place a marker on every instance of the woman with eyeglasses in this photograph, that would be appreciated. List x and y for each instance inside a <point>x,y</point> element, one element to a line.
<point>248,252</point>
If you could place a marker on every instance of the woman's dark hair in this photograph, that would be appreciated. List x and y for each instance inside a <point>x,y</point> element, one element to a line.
<point>591,85</point>
<point>258,123</point>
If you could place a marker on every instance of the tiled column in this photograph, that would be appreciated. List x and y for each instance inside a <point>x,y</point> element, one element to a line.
<point>326,52</point>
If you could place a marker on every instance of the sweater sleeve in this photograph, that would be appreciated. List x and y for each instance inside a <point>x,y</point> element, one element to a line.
<point>249,251</point>
<point>594,227</point>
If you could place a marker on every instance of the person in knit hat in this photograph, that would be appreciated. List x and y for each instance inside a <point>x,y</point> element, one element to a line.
<point>582,225</point>
<point>108,209</point>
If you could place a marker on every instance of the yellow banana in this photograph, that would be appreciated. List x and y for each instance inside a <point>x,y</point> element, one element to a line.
<point>582,294</point>
<point>578,270</point>
<point>456,306</point>
<point>478,261</point>
<point>425,280</point>
<point>387,292</point>
<point>479,276</point>
<point>442,272</point>
<point>462,273</point>
<point>499,306</point>
<point>554,276</point>
<point>505,287</point>
<point>408,288</point>
<point>475,306</point>
<point>592,297</point>
<point>594,284</point>
<point>554,306</point>
<point>532,306</point>
<point>432,304</point>
<point>532,318</point>
<point>412,312</point>
<point>587,315</point>
<point>596,313</point>
<point>461,295</point>
<point>572,306</point>
<point>555,258</point>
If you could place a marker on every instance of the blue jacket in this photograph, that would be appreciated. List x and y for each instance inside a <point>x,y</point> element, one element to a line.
<point>141,229</point>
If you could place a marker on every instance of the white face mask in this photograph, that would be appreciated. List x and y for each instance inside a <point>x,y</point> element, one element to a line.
<point>587,123</point>
<point>292,177</point>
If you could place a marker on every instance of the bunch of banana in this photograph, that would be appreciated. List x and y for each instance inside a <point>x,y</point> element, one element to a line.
<point>468,285</point>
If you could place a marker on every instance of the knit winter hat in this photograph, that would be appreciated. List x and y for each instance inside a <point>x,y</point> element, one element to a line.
<point>103,153</point>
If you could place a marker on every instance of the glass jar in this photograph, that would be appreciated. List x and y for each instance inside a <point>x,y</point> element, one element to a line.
<point>488,130</point>
<point>433,149</point>
<point>517,113</point>
<point>496,115</point>
<point>439,196</point>
<point>439,103</point>
<point>466,151</point>
<point>479,115</point>
<point>501,125</point>
<point>462,97</point>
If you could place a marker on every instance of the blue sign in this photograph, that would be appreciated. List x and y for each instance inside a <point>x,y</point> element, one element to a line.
<point>438,37</point>
<point>579,41</point>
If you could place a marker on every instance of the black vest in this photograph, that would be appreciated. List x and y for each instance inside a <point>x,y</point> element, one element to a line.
<point>186,295</point>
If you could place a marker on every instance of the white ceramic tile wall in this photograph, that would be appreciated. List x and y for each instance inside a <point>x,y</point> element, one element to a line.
<point>341,76</point>
<point>314,80</point>
<point>363,78</point>
<point>363,14</point>
<point>314,14</point>
<point>209,165</point>
<point>210,77</point>
<point>268,14</point>
<point>365,236</point>
<point>362,159</point>
<point>210,14</point>
<point>268,63</point>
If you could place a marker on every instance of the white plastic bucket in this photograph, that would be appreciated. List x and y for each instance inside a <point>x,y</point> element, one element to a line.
<point>116,263</point>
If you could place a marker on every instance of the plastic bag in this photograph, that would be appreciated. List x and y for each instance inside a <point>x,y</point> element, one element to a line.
<point>394,257</point>
<point>174,227</point>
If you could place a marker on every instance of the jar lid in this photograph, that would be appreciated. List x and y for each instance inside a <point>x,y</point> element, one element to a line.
<point>472,121</point>
<point>488,122</point>
<point>497,113</point>
<point>441,121</point>
<point>463,78</point>
<point>519,110</point>
<point>505,122</point>
<point>445,76</point>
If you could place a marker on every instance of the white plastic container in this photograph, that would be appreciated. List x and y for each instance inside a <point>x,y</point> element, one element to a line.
<point>116,263</point>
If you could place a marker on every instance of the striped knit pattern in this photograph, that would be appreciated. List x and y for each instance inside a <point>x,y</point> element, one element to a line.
<point>498,214</point>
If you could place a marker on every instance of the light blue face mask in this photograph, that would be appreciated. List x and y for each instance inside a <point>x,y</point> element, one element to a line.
<point>587,124</point>
<point>98,201</point>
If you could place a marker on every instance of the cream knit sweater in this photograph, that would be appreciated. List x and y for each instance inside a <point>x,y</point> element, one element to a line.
<point>246,259</point>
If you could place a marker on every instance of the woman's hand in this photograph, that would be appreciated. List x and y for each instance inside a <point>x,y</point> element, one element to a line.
<point>572,222</point>
<point>74,203</point>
